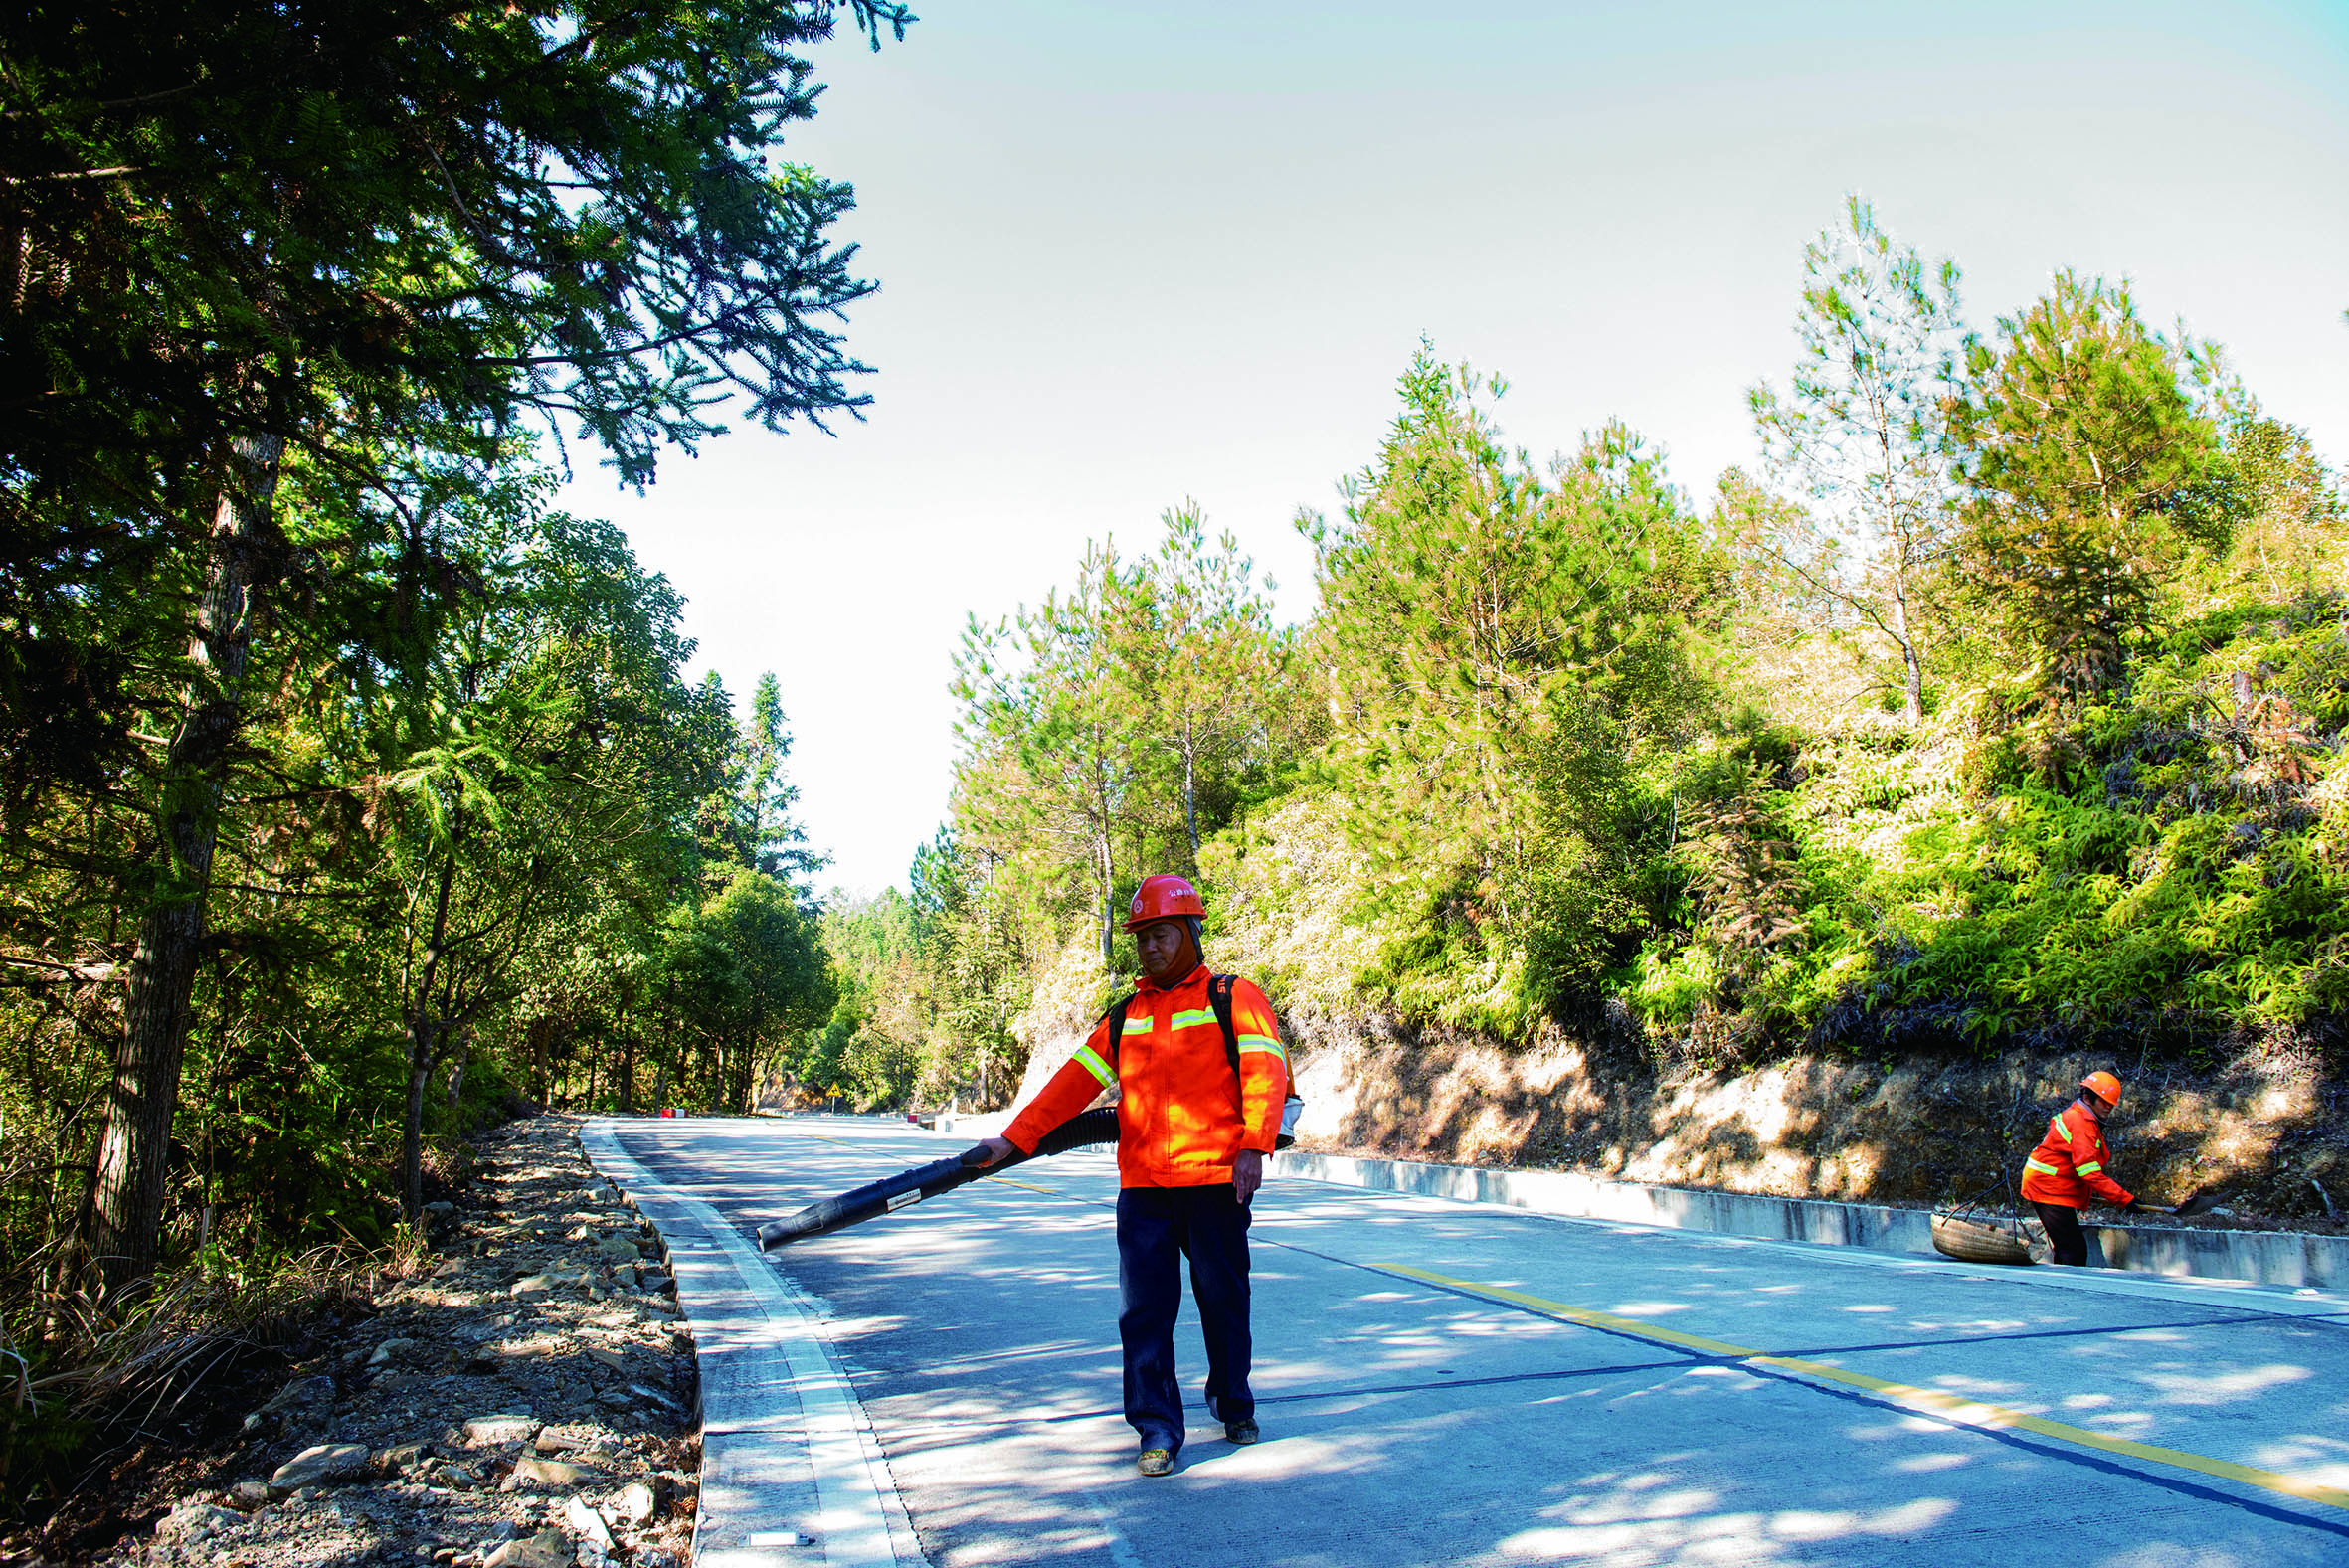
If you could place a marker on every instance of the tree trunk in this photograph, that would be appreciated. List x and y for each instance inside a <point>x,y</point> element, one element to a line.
<point>627,1073</point>
<point>425,1033</point>
<point>1108,907</point>
<point>124,1227</point>
<point>660,1093</point>
<point>1190,799</point>
<point>746,1062</point>
<point>1106,823</point>
<point>412,1141</point>
<point>1913,670</point>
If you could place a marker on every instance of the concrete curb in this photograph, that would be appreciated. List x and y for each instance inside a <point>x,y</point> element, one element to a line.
<point>2260,1257</point>
<point>970,1124</point>
<point>790,1474</point>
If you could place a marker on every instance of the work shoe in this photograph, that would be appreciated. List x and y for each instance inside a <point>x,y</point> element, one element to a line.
<point>1156,1462</point>
<point>1243,1430</point>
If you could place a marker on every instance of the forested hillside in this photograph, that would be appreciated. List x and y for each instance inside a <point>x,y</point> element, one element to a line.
<point>353,794</point>
<point>349,793</point>
<point>2000,702</point>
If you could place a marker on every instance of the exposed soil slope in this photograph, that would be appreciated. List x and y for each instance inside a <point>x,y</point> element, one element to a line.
<point>2270,1129</point>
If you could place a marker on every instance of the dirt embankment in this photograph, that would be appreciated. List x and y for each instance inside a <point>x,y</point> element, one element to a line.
<point>526,1401</point>
<point>2270,1129</point>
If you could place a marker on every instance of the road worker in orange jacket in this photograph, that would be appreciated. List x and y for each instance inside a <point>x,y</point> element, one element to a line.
<point>1194,1130</point>
<point>2068,1169</point>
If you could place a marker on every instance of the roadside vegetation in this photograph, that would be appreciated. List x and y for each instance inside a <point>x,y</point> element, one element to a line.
<point>1999,704</point>
<point>351,793</point>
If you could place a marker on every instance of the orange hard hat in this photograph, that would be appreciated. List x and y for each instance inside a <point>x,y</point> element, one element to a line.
<point>2102,1085</point>
<point>1163,898</point>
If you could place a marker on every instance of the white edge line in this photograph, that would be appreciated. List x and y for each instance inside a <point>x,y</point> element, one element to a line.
<point>1121,1551</point>
<point>852,1480</point>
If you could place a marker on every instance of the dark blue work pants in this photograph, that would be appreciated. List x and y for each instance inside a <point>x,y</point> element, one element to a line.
<point>2065,1240</point>
<point>1155,1227</point>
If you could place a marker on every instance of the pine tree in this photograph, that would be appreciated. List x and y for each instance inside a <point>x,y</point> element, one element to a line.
<point>2092,472</point>
<point>1494,640</point>
<point>1860,432</point>
<point>240,233</point>
<point>1214,668</point>
<point>1056,735</point>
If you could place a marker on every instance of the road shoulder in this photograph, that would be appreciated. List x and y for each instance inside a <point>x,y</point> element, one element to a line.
<point>790,1470</point>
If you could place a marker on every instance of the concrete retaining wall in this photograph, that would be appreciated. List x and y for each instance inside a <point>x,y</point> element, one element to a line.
<point>2260,1257</point>
<point>970,1125</point>
<point>2264,1258</point>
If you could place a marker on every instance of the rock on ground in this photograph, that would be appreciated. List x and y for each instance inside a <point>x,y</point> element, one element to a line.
<point>431,1435</point>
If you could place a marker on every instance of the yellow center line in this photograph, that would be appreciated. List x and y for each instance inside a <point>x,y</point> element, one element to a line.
<point>1964,1412</point>
<point>1047,1191</point>
<point>1949,1406</point>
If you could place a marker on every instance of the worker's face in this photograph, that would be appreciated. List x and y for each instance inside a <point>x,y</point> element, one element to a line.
<point>1164,946</point>
<point>2097,1102</point>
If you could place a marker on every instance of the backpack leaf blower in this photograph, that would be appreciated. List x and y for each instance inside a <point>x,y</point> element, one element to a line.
<point>909,1187</point>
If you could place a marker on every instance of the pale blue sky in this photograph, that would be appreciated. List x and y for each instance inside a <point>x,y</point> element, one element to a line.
<point>1133,254</point>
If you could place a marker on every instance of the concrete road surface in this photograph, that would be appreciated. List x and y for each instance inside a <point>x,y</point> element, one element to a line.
<point>1446,1383</point>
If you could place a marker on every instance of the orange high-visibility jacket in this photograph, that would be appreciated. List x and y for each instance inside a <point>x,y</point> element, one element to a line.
<point>1183,1116</point>
<point>2069,1163</point>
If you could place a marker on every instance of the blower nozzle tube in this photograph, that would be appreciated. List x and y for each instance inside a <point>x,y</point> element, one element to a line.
<point>909,1187</point>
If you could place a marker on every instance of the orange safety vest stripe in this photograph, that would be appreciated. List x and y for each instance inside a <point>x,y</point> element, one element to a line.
<point>2067,1168</point>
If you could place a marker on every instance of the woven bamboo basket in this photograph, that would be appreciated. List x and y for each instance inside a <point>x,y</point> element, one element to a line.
<point>1970,1241</point>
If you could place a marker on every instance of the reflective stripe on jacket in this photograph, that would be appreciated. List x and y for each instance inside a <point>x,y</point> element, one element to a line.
<point>1182,1119</point>
<point>2069,1165</point>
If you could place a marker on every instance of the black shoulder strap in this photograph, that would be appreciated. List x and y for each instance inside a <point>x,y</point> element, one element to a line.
<point>1219,998</point>
<point>1115,1019</point>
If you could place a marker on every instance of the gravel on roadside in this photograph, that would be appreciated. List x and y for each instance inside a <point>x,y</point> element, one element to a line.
<point>526,1400</point>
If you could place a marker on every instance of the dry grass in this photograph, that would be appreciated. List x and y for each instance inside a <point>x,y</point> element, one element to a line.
<point>93,1381</point>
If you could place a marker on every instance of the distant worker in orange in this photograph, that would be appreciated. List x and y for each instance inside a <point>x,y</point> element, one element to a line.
<point>2067,1171</point>
<point>1204,1083</point>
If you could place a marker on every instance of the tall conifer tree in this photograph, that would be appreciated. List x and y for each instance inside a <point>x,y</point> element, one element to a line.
<point>239,231</point>
<point>2092,472</point>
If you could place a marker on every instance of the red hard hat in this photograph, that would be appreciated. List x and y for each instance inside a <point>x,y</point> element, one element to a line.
<point>2103,1084</point>
<point>1163,898</point>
